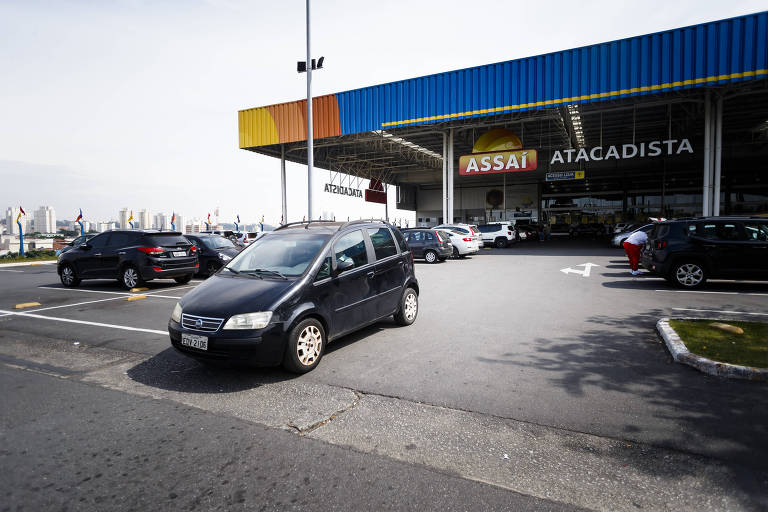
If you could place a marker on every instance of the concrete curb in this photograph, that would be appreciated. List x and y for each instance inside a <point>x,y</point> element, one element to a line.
<point>25,264</point>
<point>681,354</point>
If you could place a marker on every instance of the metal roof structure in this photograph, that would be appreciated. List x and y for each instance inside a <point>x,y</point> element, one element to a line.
<point>393,132</point>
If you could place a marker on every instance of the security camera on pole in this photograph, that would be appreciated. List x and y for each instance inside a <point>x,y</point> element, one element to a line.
<point>302,67</point>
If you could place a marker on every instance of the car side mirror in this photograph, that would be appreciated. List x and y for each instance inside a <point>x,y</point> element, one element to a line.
<point>343,265</point>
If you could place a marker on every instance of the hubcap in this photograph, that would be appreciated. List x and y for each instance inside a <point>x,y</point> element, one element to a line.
<point>309,345</point>
<point>689,274</point>
<point>430,257</point>
<point>130,277</point>
<point>411,306</point>
<point>67,275</point>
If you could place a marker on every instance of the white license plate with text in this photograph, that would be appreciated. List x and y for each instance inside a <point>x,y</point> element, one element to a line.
<point>179,254</point>
<point>194,341</point>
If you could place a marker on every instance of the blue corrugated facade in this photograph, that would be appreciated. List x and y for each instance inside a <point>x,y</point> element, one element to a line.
<point>720,51</point>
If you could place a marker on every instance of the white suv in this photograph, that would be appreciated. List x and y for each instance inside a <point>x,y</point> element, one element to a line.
<point>498,234</point>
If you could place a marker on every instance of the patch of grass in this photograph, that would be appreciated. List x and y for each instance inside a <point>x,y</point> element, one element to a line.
<point>748,349</point>
<point>30,256</point>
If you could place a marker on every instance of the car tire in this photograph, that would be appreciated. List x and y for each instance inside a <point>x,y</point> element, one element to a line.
<point>621,243</point>
<point>456,254</point>
<point>130,277</point>
<point>68,276</point>
<point>430,256</point>
<point>500,243</point>
<point>689,275</point>
<point>184,279</point>
<point>306,346</point>
<point>409,307</point>
<point>210,269</point>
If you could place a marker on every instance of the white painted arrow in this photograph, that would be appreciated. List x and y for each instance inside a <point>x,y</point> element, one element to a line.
<point>582,273</point>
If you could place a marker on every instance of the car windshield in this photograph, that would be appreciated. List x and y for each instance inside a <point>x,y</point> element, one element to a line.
<point>288,254</point>
<point>218,242</point>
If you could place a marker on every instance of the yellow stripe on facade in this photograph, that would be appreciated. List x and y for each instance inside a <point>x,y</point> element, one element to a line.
<point>620,92</point>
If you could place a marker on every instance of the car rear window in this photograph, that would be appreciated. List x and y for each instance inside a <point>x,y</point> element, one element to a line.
<point>170,240</point>
<point>489,228</point>
<point>400,240</point>
<point>460,230</point>
<point>383,243</point>
<point>756,231</point>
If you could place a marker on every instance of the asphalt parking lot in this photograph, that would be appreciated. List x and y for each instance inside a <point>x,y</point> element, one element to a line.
<point>509,333</point>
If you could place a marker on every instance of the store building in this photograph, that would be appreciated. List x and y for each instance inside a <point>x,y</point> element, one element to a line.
<point>669,124</point>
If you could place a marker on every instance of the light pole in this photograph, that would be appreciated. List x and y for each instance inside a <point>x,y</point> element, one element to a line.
<point>308,66</point>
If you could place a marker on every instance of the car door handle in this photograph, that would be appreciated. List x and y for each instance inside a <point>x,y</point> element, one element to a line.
<point>121,252</point>
<point>370,274</point>
<point>709,245</point>
<point>97,254</point>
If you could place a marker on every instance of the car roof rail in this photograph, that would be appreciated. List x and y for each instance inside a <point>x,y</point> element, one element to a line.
<point>364,221</point>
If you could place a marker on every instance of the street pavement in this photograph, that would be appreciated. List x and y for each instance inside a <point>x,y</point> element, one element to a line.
<point>548,383</point>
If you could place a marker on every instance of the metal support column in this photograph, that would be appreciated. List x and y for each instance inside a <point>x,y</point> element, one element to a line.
<point>284,210</point>
<point>706,193</point>
<point>310,149</point>
<point>718,152</point>
<point>445,176</point>
<point>450,211</point>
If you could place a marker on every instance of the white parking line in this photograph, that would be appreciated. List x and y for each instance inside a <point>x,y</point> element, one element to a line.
<point>122,294</point>
<point>720,311</point>
<point>73,305</point>
<point>6,270</point>
<point>715,293</point>
<point>97,324</point>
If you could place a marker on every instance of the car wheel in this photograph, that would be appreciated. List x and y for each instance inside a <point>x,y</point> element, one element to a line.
<point>210,269</point>
<point>184,279</point>
<point>430,256</point>
<point>456,253</point>
<point>130,277</point>
<point>621,243</point>
<point>306,345</point>
<point>500,243</point>
<point>689,275</point>
<point>68,277</point>
<point>409,308</point>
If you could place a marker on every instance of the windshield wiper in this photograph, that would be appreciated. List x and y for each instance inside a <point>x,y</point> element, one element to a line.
<point>264,271</point>
<point>232,270</point>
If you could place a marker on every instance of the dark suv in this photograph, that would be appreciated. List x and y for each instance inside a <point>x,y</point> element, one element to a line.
<point>284,297</point>
<point>130,256</point>
<point>688,252</point>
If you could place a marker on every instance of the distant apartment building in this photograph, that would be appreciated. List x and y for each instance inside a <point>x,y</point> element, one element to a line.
<point>162,222</point>
<point>180,226</point>
<point>10,221</point>
<point>74,226</point>
<point>105,226</point>
<point>122,218</point>
<point>145,220</point>
<point>45,220</point>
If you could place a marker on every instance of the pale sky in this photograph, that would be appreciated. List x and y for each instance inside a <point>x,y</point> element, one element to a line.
<point>133,103</point>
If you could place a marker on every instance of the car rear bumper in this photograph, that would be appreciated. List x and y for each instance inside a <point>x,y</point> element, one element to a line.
<point>264,347</point>
<point>159,269</point>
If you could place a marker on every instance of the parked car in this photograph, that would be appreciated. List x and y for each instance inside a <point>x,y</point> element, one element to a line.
<point>431,244</point>
<point>465,229</point>
<point>463,243</point>
<point>244,239</point>
<point>527,232</point>
<point>498,234</point>
<point>619,239</point>
<point>689,252</point>
<point>213,252</point>
<point>591,230</point>
<point>289,294</point>
<point>130,256</point>
<point>75,243</point>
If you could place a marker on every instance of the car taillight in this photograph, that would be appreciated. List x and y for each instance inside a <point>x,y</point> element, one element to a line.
<point>193,249</point>
<point>509,233</point>
<point>152,250</point>
<point>438,237</point>
<point>156,269</point>
<point>467,239</point>
<point>660,244</point>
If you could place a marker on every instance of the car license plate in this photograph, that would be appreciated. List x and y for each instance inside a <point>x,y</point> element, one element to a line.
<point>194,341</point>
<point>179,254</point>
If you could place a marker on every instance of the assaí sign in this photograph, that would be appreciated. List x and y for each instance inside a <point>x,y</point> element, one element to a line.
<point>667,147</point>
<point>495,151</point>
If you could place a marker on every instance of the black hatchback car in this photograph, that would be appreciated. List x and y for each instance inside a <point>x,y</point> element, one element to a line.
<point>431,244</point>
<point>687,252</point>
<point>130,256</point>
<point>288,294</point>
<point>213,251</point>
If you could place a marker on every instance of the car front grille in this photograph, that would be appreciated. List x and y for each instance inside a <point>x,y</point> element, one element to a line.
<point>201,323</point>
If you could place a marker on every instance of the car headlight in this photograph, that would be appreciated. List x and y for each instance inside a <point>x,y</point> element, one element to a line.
<point>249,320</point>
<point>224,257</point>
<point>176,315</point>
